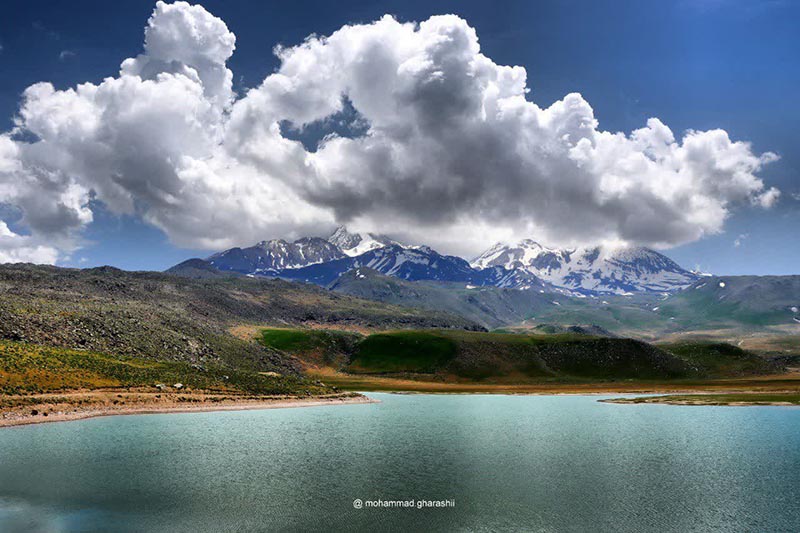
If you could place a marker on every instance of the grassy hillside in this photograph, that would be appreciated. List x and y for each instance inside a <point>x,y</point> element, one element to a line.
<point>746,301</point>
<point>737,304</point>
<point>718,359</point>
<point>315,347</point>
<point>518,357</point>
<point>170,318</point>
<point>27,368</point>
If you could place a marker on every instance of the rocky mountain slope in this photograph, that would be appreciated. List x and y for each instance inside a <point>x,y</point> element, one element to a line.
<point>747,300</point>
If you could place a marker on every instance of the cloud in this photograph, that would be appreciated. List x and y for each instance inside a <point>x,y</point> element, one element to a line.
<point>449,150</point>
<point>66,54</point>
<point>22,249</point>
<point>740,239</point>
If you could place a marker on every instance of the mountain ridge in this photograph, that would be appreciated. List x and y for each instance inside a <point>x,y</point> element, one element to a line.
<point>275,255</point>
<point>589,271</point>
<point>597,269</point>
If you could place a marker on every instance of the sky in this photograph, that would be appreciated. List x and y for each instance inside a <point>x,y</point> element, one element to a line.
<point>449,152</point>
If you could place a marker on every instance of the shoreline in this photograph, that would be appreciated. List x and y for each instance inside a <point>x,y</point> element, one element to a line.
<point>18,410</point>
<point>64,411</point>
<point>740,399</point>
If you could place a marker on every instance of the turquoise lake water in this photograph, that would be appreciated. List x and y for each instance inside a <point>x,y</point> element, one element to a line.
<point>520,463</point>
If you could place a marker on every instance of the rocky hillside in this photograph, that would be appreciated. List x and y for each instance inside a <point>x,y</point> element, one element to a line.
<point>160,316</point>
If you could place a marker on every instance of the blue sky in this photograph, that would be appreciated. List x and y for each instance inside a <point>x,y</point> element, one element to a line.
<point>694,64</point>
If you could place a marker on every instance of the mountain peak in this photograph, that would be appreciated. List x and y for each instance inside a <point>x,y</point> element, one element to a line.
<point>353,244</point>
<point>343,239</point>
<point>276,254</point>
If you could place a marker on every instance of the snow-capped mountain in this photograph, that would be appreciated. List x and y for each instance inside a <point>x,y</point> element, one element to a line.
<point>413,264</point>
<point>270,257</point>
<point>598,269</point>
<point>526,265</point>
<point>353,244</point>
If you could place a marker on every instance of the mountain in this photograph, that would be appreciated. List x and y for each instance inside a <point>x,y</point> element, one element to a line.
<point>593,270</point>
<point>729,307</point>
<point>412,264</point>
<point>353,244</point>
<point>270,257</point>
<point>525,265</point>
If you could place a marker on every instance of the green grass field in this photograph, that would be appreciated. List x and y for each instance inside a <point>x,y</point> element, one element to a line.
<point>402,351</point>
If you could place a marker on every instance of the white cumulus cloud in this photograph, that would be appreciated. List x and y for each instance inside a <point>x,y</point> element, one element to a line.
<point>452,150</point>
<point>16,248</point>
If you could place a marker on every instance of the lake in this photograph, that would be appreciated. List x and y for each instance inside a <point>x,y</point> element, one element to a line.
<point>532,463</point>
